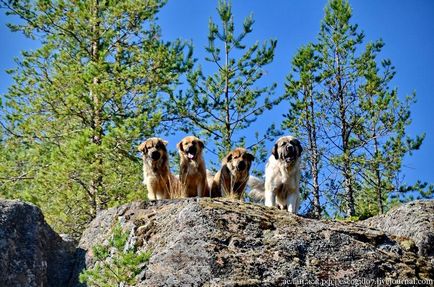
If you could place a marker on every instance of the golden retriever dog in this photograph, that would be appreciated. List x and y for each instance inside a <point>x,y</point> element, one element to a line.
<point>232,178</point>
<point>192,171</point>
<point>160,182</point>
<point>282,176</point>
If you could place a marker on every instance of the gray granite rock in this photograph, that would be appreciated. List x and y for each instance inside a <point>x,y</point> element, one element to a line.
<point>218,242</point>
<point>414,220</point>
<point>31,253</point>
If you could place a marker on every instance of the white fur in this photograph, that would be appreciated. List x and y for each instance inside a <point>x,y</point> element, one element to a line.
<point>256,189</point>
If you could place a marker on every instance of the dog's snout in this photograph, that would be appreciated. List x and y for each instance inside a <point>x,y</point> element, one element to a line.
<point>191,149</point>
<point>241,165</point>
<point>155,155</point>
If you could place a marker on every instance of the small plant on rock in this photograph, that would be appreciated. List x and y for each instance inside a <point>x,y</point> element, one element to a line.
<point>117,264</point>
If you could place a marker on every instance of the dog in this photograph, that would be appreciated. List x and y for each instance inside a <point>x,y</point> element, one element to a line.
<point>160,182</point>
<point>282,176</point>
<point>231,179</point>
<point>192,171</point>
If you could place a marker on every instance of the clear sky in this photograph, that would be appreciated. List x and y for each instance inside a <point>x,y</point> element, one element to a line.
<point>406,26</point>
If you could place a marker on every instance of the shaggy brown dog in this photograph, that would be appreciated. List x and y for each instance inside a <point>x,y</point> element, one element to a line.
<point>232,178</point>
<point>160,182</point>
<point>192,171</point>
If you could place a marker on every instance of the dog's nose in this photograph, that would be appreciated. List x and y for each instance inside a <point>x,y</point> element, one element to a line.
<point>191,149</point>
<point>155,155</point>
<point>241,165</point>
<point>291,150</point>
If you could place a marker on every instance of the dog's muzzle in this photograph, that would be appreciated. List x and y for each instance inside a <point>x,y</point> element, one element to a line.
<point>290,153</point>
<point>241,166</point>
<point>191,152</point>
<point>155,155</point>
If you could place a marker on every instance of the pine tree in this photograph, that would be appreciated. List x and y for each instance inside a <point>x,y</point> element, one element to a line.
<point>354,123</point>
<point>223,104</point>
<point>81,102</point>
<point>338,41</point>
<point>386,143</point>
<point>304,118</point>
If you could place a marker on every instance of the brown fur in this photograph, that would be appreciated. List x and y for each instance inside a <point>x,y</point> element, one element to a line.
<point>232,178</point>
<point>192,172</point>
<point>160,182</point>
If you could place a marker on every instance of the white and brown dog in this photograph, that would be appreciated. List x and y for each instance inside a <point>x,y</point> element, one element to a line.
<point>282,176</point>
<point>231,179</point>
<point>160,182</point>
<point>192,172</point>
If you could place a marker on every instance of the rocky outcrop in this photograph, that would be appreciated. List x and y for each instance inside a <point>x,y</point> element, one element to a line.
<point>414,220</point>
<point>218,242</point>
<point>204,242</point>
<point>31,253</point>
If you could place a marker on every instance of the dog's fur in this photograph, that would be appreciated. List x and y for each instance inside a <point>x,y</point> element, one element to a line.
<point>282,176</point>
<point>160,182</point>
<point>231,179</point>
<point>192,172</point>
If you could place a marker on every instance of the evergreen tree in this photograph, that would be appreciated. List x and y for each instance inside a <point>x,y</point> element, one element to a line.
<point>338,42</point>
<point>117,263</point>
<point>354,123</point>
<point>81,102</point>
<point>223,104</point>
<point>304,119</point>
<point>384,134</point>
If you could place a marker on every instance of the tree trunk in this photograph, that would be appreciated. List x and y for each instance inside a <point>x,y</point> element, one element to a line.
<point>312,138</point>
<point>378,187</point>
<point>346,171</point>
<point>227,104</point>
<point>97,179</point>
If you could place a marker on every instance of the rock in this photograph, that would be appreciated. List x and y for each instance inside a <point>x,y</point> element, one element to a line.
<point>218,242</point>
<point>31,253</point>
<point>414,220</point>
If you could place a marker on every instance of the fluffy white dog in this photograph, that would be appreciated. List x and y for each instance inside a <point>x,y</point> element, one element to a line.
<point>282,176</point>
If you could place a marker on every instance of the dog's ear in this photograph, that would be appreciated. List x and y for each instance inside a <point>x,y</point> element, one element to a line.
<point>200,143</point>
<point>250,157</point>
<point>179,146</point>
<point>227,158</point>
<point>274,151</point>
<point>142,147</point>
<point>162,144</point>
<point>297,143</point>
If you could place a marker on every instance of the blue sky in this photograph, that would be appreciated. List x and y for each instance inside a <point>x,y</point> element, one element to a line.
<point>406,26</point>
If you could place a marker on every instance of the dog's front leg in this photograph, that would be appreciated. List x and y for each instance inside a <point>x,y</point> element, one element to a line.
<point>199,190</point>
<point>292,202</point>
<point>270,195</point>
<point>270,198</point>
<point>151,194</point>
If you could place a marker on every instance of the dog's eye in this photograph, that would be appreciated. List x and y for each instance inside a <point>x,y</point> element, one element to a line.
<point>283,144</point>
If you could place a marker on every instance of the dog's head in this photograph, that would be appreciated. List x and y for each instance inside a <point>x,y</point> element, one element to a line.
<point>238,161</point>
<point>287,149</point>
<point>190,147</point>
<point>154,150</point>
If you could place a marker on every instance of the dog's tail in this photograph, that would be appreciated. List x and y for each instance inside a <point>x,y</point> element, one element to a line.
<point>257,188</point>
